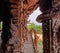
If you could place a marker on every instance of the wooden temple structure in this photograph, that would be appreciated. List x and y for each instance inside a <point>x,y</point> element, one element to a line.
<point>15,36</point>
<point>50,19</point>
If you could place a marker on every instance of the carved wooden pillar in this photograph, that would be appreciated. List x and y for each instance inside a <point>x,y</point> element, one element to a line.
<point>6,18</point>
<point>46,36</point>
<point>56,34</point>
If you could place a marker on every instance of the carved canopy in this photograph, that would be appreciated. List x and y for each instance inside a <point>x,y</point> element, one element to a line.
<point>24,6</point>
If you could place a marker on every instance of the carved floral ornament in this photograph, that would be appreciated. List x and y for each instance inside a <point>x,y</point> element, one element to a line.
<point>25,7</point>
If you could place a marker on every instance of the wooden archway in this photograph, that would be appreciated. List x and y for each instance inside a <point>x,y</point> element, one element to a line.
<point>15,33</point>
<point>14,14</point>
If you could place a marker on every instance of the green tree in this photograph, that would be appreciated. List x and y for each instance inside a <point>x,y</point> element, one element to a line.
<point>36,27</point>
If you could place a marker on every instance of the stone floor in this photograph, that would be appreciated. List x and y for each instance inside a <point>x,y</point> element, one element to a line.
<point>28,45</point>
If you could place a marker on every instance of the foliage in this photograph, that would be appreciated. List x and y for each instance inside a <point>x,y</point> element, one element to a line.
<point>40,43</point>
<point>36,27</point>
<point>0,26</point>
<point>40,46</point>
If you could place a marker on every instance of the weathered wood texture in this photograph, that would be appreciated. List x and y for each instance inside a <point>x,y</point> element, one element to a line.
<point>20,10</point>
<point>51,33</point>
<point>56,34</point>
<point>46,37</point>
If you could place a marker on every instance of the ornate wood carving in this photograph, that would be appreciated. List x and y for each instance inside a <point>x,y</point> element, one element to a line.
<point>56,34</point>
<point>20,10</point>
<point>53,15</point>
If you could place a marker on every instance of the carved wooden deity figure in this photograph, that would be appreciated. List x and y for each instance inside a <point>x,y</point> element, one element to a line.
<point>14,14</point>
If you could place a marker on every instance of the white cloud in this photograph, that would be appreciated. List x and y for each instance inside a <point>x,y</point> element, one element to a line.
<point>34,15</point>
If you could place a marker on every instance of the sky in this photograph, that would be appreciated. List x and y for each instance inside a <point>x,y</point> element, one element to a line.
<point>34,15</point>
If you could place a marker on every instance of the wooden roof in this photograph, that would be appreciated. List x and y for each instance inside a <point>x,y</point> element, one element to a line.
<point>28,6</point>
